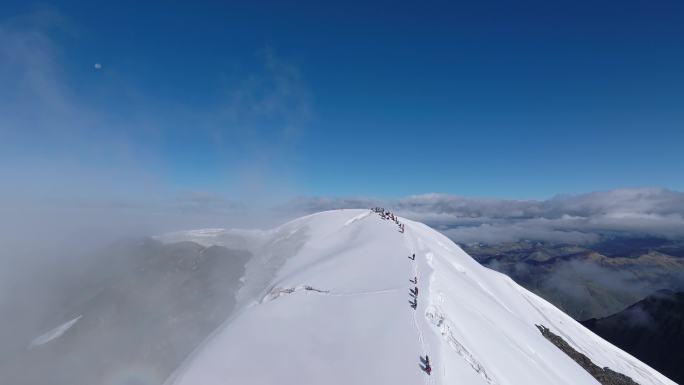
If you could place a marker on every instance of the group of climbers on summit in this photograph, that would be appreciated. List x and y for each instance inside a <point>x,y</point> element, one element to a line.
<point>388,215</point>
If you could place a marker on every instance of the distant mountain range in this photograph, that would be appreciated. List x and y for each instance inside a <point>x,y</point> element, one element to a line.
<point>651,330</point>
<point>589,281</point>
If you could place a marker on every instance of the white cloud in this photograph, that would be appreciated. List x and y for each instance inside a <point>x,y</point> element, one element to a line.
<point>571,219</point>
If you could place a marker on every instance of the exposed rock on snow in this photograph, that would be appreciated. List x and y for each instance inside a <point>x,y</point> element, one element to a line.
<point>605,376</point>
<point>278,291</point>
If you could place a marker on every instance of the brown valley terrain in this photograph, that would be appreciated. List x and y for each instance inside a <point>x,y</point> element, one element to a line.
<point>628,290</point>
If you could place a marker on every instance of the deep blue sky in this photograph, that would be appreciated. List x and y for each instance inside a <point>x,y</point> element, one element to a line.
<point>346,99</point>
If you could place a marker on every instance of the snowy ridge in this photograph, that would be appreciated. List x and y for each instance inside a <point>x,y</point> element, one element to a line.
<point>325,302</point>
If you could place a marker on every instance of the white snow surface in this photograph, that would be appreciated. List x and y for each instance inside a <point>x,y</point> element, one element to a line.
<point>54,333</point>
<point>333,308</point>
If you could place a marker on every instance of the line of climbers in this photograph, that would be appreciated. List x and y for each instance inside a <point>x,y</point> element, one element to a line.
<point>388,215</point>
<point>413,292</point>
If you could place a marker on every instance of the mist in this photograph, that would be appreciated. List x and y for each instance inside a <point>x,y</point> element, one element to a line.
<point>89,166</point>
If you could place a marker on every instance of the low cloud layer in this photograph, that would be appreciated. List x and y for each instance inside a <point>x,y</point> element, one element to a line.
<point>572,219</point>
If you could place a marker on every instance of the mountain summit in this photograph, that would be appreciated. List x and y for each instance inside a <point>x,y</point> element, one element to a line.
<point>364,297</point>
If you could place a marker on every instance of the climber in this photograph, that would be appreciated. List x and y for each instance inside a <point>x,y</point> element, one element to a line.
<point>414,280</point>
<point>413,257</point>
<point>425,364</point>
<point>414,291</point>
<point>414,303</point>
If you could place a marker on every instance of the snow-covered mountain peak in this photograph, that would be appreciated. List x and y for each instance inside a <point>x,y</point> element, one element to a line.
<point>329,299</point>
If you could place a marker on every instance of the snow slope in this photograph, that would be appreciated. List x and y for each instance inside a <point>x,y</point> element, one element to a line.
<point>326,302</point>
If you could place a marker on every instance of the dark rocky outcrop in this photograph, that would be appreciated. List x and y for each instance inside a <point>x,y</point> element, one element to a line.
<point>605,376</point>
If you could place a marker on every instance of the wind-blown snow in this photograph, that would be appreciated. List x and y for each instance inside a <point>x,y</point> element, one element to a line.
<point>54,333</point>
<point>332,308</point>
